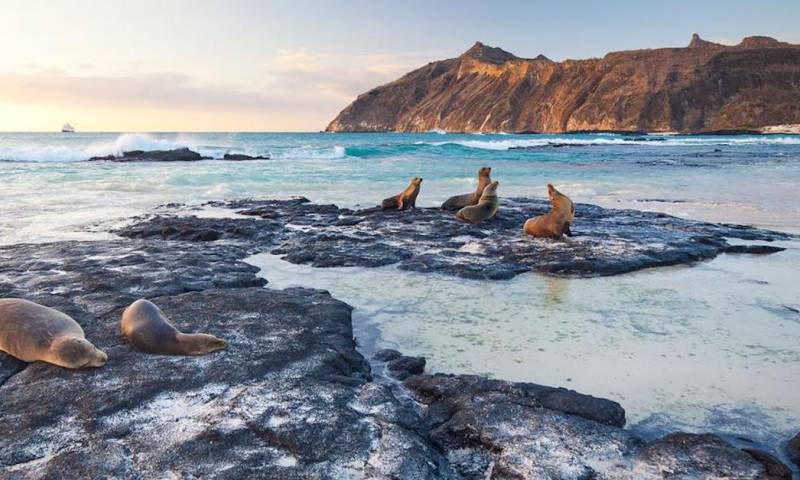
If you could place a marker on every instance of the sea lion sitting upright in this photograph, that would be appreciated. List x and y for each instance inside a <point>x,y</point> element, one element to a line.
<point>33,332</point>
<point>405,199</point>
<point>146,327</point>
<point>557,221</point>
<point>486,208</point>
<point>460,201</point>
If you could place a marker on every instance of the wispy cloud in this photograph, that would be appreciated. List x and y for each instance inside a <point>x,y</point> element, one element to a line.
<point>295,80</point>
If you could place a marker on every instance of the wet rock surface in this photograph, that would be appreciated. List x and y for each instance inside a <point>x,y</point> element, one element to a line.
<point>793,450</point>
<point>496,429</point>
<point>291,397</point>
<point>241,156</point>
<point>176,155</point>
<point>605,241</point>
<point>403,366</point>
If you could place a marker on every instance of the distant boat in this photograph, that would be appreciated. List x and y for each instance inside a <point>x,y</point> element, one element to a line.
<point>67,128</point>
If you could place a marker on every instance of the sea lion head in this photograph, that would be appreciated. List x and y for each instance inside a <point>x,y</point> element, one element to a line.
<point>491,189</point>
<point>74,352</point>
<point>202,343</point>
<point>560,202</point>
<point>416,181</point>
<point>485,172</point>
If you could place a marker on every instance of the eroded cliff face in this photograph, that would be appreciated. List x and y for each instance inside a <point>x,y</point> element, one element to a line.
<point>703,87</point>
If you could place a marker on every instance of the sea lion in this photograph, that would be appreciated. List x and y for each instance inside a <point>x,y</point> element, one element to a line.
<point>405,199</point>
<point>460,201</point>
<point>33,332</point>
<point>486,208</point>
<point>146,327</point>
<point>557,221</point>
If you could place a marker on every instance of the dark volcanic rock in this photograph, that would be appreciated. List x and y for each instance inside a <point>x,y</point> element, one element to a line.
<point>289,398</point>
<point>241,156</point>
<point>176,155</point>
<point>793,450</point>
<point>606,241</point>
<point>753,249</point>
<point>705,87</point>
<point>403,367</point>
<point>495,429</point>
<point>191,228</point>
<point>386,355</point>
<point>773,468</point>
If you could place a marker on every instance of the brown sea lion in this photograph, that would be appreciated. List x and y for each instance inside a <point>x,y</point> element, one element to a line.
<point>557,221</point>
<point>33,332</point>
<point>460,201</point>
<point>486,208</point>
<point>146,327</point>
<point>405,199</point>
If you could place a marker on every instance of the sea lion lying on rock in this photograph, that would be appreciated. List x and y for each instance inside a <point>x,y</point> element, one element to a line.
<point>147,329</point>
<point>405,199</point>
<point>460,201</point>
<point>557,221</point>
<point>486,208</point>
<point>33,332</point>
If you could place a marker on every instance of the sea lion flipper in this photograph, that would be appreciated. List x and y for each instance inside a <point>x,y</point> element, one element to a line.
<point>566,230</point>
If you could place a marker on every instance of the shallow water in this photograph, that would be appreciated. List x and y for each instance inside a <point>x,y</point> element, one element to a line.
<point>47,194</point>
<point>691,343</point>
<point>708,347</point>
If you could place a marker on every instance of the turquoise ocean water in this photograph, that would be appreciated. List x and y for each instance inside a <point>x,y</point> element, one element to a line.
<point>705,347</point>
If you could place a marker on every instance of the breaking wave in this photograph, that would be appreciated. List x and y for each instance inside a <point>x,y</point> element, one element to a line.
<point>124,143</point>
<point>649,140</point>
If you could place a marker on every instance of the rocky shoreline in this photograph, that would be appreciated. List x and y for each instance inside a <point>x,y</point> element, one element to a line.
<point>292,397</point>
<point>605,241</point>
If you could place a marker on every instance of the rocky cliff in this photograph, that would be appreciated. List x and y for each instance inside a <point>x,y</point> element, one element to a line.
<point>700,88</point>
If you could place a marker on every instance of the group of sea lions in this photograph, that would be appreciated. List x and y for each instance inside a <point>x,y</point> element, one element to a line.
<point>31,332</point>
<point>482,205</point>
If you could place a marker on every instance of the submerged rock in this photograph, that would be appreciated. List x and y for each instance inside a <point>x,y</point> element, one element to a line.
<point>605,241</point>
<point>793,450</point>
<point>241,156</point>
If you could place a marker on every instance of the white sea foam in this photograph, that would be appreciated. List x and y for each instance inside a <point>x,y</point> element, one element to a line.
<point>124,143</point>
<point>602,140</point>
<point>309,152</point>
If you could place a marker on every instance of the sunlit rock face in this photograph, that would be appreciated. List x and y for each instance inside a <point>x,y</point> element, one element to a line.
<point>700,88</point>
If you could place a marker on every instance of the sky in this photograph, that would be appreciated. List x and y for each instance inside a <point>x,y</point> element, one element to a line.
<point>242,65</point>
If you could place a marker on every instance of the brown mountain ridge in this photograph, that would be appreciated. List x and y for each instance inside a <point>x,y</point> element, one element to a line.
<point>703,87</point>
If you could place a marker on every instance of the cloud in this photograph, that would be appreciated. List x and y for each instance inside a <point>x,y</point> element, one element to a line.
<point>295,81</point>
<point>339,78</point>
